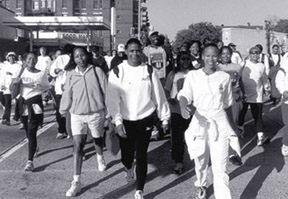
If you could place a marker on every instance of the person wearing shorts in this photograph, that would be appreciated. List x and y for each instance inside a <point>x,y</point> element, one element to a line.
<point>83,97</point>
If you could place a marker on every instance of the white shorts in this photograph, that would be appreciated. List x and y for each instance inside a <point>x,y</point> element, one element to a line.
<point>95,123</point>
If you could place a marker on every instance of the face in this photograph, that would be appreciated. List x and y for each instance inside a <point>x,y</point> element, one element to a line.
<point>254,55</point>
<point>275,50</point>
<point>210,57</point>
<point>185,61</point>
<point>81,58</point>
<point>226,56</point>
<point>12,59</point>
<point>133,52</point>
<point>154,39</point>
<point>194,49</point>
<point>31,61</point>
<point>57,53</point>
<point>42,51</point>
<point>20,58</point>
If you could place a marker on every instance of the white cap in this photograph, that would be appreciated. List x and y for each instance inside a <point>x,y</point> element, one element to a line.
<point>121,48</point>
<point>10,54</point>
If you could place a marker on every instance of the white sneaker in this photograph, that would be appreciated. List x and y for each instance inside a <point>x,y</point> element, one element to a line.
<point>138,194</point>
<point>29,166</point>
<point>61,135</point>
<point>262,140</point>
<point>74,189</point>
<point>101,163</point>
<point>284,150</point>
<point>130,173</point>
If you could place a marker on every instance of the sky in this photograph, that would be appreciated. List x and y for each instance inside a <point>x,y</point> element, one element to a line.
<point>170,16</point>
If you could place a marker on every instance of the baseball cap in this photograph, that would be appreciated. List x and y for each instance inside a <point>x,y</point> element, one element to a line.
<point>231,44</point>
<point>152,32</point>
<point>11,54</point>
<point>121,48</point>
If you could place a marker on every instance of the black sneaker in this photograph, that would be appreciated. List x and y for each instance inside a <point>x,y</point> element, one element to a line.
<point>236,160</point>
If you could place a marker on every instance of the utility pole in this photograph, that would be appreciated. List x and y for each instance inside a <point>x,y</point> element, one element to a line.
<point>139,18</point>
<point>113,25</point>
<point>268,34</point>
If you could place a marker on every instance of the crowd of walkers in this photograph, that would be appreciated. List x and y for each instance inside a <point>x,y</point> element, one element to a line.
<point>199,97</point>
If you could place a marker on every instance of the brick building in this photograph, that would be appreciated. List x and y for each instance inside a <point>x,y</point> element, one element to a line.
<point>126,16</point>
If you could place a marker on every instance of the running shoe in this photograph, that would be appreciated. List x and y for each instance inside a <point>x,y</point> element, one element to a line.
<point>74,189</point>
<point>201,193</point>
<point>178,169</point>
<point>236,160</point>
<point>101,163</point>
<point>262,140</point>
<point>61,135</point>
<point>138,194</point>
<point>29,166</point>
<point>284,150</point>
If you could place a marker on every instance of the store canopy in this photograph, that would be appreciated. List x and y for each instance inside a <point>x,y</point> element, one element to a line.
<point>62,23</point>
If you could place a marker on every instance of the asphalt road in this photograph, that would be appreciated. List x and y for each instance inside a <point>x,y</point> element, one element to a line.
<point>263,174</point>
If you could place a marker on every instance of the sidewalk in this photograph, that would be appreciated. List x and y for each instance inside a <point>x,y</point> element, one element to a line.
<point>263,175</point>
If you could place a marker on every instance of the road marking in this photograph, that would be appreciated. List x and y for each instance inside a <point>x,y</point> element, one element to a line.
<point>15,148</point>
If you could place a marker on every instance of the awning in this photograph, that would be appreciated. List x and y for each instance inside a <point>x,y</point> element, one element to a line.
<point>57,23</point>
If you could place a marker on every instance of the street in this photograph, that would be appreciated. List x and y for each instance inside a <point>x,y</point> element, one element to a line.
<point>262,175</point>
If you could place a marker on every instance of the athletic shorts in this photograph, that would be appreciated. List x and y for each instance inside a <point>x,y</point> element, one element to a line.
<point>94,122</point>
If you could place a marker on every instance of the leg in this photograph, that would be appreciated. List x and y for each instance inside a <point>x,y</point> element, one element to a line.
<point>242,114</point>
<point>256,110</point>
<point>61,121</point>
<point>143,131</point>
<point>2,99</point>
<point>219,157</point>
<point>7,111</point>
<point>79,143</point>
<point>284,111</point>
<point>178,128</point>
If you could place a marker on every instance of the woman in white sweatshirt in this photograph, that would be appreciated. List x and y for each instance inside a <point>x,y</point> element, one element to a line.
<point>135,94</point>
<point>207,136</point>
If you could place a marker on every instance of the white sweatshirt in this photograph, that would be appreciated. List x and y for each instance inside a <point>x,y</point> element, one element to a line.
<point>133,97</point>
<point>10,71</point>
<point>59,63</point>
<point>43,63</point>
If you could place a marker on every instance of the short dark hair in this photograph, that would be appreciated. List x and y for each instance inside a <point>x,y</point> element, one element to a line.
<point>226,47</point>
<point>260,47</point>
<point>133,41</point>
<point>275,45</point>
<point>210,45</point>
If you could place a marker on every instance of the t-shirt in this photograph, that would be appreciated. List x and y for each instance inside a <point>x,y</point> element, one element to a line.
<point>40,81</point>
<point>254,79</point>
<point>157,59</point>
<point>10,71</point>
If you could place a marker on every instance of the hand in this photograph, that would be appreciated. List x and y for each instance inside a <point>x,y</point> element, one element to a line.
<point>3,87</point>
<point>185,112</point>
<point>172,101</point>
<point>63,115</point>
<point>120,129</point>
<point>57,70</point>
<point>165,126</point>
<point>285,95</point>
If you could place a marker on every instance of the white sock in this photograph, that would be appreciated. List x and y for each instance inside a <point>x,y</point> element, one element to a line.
<point>76,178</point>
<point>260,134</point>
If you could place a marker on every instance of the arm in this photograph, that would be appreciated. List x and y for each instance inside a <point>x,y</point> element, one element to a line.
<point>159,98</point>
<point>66,100</point>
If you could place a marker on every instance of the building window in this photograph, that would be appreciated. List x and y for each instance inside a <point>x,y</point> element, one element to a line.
<point>43,3</point>
<point>97,4</point>
<point>18,3</point>
<point>83,4</point>
<point>64,3</point>
<point>35,5</point>
<point>51,5</point>
<point>7,3</point>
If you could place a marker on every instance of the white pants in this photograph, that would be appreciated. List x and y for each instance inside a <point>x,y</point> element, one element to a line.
<point>218,152</point>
